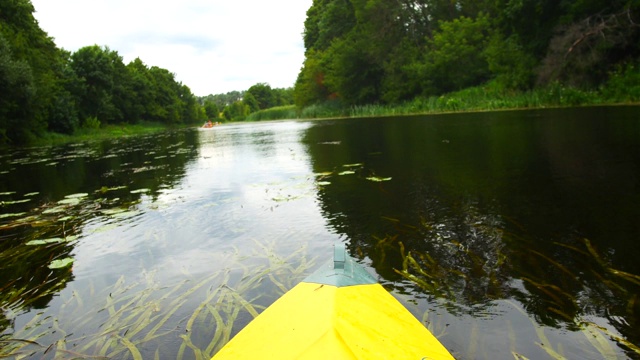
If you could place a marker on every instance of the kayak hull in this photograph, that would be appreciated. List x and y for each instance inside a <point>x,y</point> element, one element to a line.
<point>325,320</point>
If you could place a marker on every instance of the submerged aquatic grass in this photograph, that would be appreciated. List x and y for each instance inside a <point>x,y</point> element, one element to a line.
<point>200,314</point>
<point>454,272</point>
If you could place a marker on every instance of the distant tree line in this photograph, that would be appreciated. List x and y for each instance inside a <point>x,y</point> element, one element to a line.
<point>390,51</point>
<point>237,105</point>
<point>47,89</point>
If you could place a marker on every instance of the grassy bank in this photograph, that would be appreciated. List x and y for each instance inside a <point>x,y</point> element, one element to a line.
<point>275,113</point>
<point>482,98</point>
<point>103,132</point>
<point>623,87</point>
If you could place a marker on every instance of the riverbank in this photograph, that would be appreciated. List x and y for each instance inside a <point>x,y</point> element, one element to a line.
<point>622,88</point>
<point>482,98</point>
<point>104,132</point>
<point>486,98</point>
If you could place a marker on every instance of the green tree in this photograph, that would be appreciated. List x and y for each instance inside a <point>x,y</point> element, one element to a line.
<point>238,111</point>
<point>17,95</point>
<point>251,102</point>
<point>100,71</point>
<point>263,94</point>
<point>454,56</point>
<point>35,53</point>
<point>327,20</point>
<point>211,109</point>
<point>510,65</point>
<point>165,105</point>
<point>310,87</point>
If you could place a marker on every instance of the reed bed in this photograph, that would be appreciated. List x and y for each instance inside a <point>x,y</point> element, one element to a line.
<point>274,113</point>
<point>488,97</point>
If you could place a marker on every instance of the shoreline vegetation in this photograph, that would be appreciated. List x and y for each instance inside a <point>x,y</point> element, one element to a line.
<point>359,62</point>
<point>103,133</point>
<point>623,89</point>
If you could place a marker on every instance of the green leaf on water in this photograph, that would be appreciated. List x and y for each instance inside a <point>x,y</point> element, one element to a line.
<point>104,189</point>
<point>113,211</point>
<point>77,196</point>
<point>353,165</point>
<point>61,263</point>
<point>348,172</point>
<point>378,179</point>
<point>45,241</point>
<point>126,214</point>
<point>70,201</point>
<point>2,216</point>
<point>55,210</point>
<point>14,202</point>
<point>31,194</point>
<point>51,240</point>
<point>139,191</point>
<point>323,183</point>
<point>7,193</point>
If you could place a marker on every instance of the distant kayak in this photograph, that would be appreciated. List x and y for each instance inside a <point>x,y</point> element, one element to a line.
<point>209,125</point>
<point>338,312</point>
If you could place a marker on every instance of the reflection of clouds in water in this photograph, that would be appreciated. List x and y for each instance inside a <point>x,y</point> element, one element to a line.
<point>236,192</point>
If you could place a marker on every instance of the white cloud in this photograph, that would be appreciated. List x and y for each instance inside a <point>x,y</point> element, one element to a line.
<point>213,46</point>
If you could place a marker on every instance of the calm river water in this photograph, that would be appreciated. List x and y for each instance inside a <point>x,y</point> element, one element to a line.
<point>509,234</point>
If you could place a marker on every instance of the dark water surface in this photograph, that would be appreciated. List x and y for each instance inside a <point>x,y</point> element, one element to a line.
<point>509,234</point>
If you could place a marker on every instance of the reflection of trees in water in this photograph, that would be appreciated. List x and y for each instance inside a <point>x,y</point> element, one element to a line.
<point>470,258</point>
<point>51,193</point>
<point>484,207</point>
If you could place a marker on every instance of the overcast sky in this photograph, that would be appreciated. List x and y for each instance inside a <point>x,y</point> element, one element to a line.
<point>213,46</point>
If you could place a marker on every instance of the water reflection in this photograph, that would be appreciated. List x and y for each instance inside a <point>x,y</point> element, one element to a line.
<point>52,195</point>
<point>509,234</point>
<point>534,207</point>
<point>160,246</point>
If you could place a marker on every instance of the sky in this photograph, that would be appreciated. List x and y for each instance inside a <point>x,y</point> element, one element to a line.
<point>212,46</point>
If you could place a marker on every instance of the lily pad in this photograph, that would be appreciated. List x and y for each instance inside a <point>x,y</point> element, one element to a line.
<point>2,216</point>
<point>77,196</point>
<point>378,179</point>
<point>31,194</point>
<point>353,165</point>
<point>61,263</point>
<point>126,214</point>
<point>323,183</point>
<point>55,210</point>
<point>45,241</point>
<point>7,193</point>
<point>14,202</point>
<point>348,172</point>
<point>113,211</point>
<point>139,191</point>
<point>104,189</point>
<point>70,201</point>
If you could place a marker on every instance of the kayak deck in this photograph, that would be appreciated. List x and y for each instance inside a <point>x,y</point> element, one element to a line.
<point>339,312</point>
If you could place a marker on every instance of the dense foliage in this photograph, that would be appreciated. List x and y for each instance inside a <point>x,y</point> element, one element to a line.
<point>390,51</point>
<point>47,89</point>
<point>239,105</point>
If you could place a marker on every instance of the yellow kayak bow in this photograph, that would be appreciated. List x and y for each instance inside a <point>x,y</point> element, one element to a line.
<point>338,312</point>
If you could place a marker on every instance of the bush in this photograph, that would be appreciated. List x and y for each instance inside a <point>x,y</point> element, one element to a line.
<point>91,122</point>
<point>623,84</point>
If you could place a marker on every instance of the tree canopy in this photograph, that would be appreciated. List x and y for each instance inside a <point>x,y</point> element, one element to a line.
<point>386,51</point>
<point>44,88</point>
<point>237,105</point>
